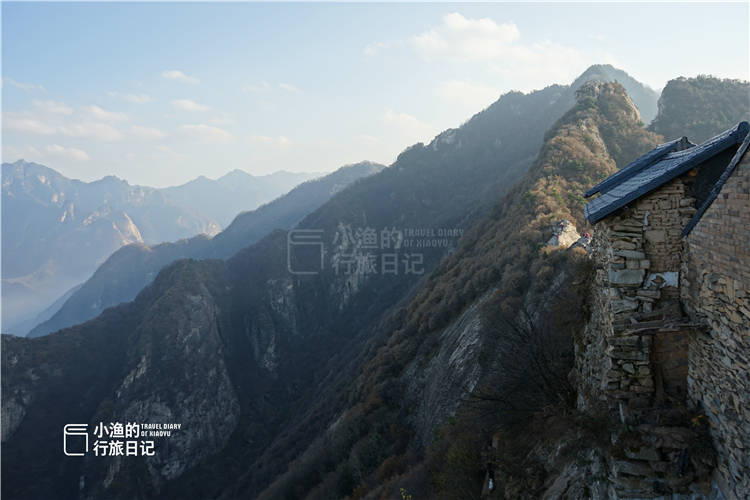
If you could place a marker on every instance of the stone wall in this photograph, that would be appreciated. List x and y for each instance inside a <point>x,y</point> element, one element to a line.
<point>636,305</point>
<point>715,290</point>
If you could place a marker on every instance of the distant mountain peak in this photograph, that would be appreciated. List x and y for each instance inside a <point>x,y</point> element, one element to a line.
<point>236,173</point>
<point>644,97</point>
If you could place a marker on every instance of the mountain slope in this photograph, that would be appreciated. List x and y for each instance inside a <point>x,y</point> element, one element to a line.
<point>701,107</point>
<point>56,230</point>
<point>287,342</point>
<point>128,270</point>
<point>441,345</point>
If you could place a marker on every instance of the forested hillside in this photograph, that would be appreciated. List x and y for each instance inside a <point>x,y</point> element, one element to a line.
<point>701,107</point>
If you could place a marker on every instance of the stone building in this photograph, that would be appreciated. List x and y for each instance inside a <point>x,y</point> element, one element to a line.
<point>670,324</point>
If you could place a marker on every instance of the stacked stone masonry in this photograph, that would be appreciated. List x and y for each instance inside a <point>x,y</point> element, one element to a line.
<point>638,255</point>
<point>715,291</point>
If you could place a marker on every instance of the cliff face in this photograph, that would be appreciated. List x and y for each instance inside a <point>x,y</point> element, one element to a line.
<point>174,374</point>
<point>435,386</point>
<point>155,360</point>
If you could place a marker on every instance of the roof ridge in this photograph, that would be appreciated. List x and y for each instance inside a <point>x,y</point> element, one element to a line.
<point>640,163</point>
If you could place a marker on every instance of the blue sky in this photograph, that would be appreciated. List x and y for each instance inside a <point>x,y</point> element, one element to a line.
<point>159,93</point>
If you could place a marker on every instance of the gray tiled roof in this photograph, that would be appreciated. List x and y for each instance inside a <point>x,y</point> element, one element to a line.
<point>639,164</point>
<point>654,169</point>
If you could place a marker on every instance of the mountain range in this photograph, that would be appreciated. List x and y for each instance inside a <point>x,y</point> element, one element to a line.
<point>56,230</point>
<point>296,381</point>
<point>132,267</point>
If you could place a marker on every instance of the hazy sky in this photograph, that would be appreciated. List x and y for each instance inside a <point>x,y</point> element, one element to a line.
<point>158,93</point>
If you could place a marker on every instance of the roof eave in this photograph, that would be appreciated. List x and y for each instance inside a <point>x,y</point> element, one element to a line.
<point>738,134</point>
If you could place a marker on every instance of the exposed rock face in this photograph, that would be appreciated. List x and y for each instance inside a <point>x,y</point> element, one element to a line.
<point>14,407</point>
<point>178,376</point>
<point>165,363</point>
<point>565,234</point>
<point>436,387</point>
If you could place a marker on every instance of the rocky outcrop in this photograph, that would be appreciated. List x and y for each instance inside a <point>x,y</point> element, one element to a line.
<point>565,235</point>
<point>662,452</point>
<point>435,387</point>
<point>178,375</point>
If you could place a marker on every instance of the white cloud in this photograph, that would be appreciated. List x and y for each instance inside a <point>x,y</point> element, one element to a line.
<point>146,133</point>
<point>207,133</point>
<point>528,66</point>
<point>52,107</point>
<point>26,123</point>
<point>175,74</point>
<point>23,86</point>
<point>264,139</point>
<point>189,105</point>
<point>259,87</point>
<point>56,118</point>
<point>66,153</point>
<point>471,95</point>
<point>289,88</point>
<point>409,127</point>
<point>133,98</point>
<point>91,130</point>
<point>463,39</point>
<point>98,113</point>
<point>12,153</point>
<point>536,65</point>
